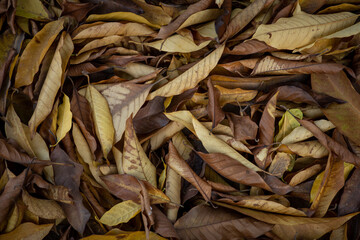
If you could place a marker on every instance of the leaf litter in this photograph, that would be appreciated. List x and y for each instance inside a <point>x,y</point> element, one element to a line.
<point>179,119</point>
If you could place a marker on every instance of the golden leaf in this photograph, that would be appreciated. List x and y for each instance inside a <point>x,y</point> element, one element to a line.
<point>52,82</point>
<point>120,213</point>
<point>35,51</point>
<point>64,119</point>
<point>102,119</point>
<point>28,230</point>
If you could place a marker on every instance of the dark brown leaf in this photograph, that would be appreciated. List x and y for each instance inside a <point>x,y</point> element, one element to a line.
<point>76,10</point>
<point>223,20</point>
<point>69,176</point>
<point>163,225</point>
<point>350,199</point>
<point>11,191</point>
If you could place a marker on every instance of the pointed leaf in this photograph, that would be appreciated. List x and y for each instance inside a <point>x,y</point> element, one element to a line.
<point>64,119</point>
<point>121,213</point>
<point>28,230</point>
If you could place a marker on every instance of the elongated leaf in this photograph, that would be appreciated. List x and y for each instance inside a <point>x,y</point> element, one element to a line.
<point>121,213</point>
<point>64,119</point>
<point>102,118</point>
<point>97,43</point>
<point>182,168</point>
<point>288,227</point>
<point>191,77</point>
<point>309,149</point>
<point>118,16</point>
<point>52,82</point>
<point>128,187</point>
<point>244,17</point>
<point>114,28</point>
<point>177,43</point>
<point>125,236</point>
<point>203,222</point>
<point>233,170</point>
<point>302,29</point>
<point>124,99</point>
<point>35,52</point>
<point>135,162</point>
<point>28,230</point>
<point>47,209</point>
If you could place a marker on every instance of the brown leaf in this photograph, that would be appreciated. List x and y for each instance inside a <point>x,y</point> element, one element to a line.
<point>115,6</point>
<point>69,176</point>
<point>266,132</point>
<point>11,192</point>
<point>215,112</point>
<point>203,222</point>
<point>233,170</point>
<point>344,116</point>
<point>163,225</point>
<point>223,20</point>
<point>169,29</point>
<point>76,10</point>
<point>350,199</point>
<point>127,187</point>
<point>242,127</point>
<point>178,164</point>
<point>250,47</point>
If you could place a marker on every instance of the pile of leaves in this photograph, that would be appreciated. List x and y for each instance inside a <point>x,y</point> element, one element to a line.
<point>179,119</point>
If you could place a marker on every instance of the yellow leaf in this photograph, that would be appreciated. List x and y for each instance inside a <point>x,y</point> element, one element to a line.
<point>118,16</point>
<point>120,213</point>
<point>135,161</point>
<point>52,82</point>
<point>162,177</point>
<point>288,122</point>
<point>64,119</point>
<point>47,209</point>
<point>124,99</point>
<point>177,43</point>
<point>344,7</point>
<point>305,174</point>
<point>301,133</point>
<point>81,145</point>
<point>114,28</point>
<point>235,95</point>
<point>118,160</point>
<point>15,217</point>
<point>165,133</point>
<point>201,17</point>
<point>302,29</point>
<point>191,77</point>
<point>154,14</point>
<point>102,119</point>
<point>32,9</point>
<point>35,51</point>
<point>28,230</point>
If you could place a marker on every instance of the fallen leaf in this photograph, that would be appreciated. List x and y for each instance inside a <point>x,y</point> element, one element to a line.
<point>28,230</point>
<point>135,162</point>
<point>64,119</point>
<point>120,213</point>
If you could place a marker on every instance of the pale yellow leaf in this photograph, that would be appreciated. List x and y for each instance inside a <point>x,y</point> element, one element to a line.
<point>135,162</point>
<point>82,146</point>
<point>173,191</point>
<point>114,28</point>
<point>201,17</point>
<point>300,133</point>
<point>325,44</point>
<point>97,43</point>
<point>137,70</point>
<point>52,82</point>
<point>182,145</point>
<point>309,149</point>
<point>118,16</point>
<point>177,43</point>
<point>118,156</point>
<point>236,144</point>
<point>302,29</point>
<point>47,209</point>
<point>120,213</point>
<point>191,77</point>
<point>64,120</point>
<point>154,14</point>
<point>102,119</point>
<point>35,51</point>
<point>29,231</point>
<point>164,134</point>
<point>124,99</point>
<point>237,95</point>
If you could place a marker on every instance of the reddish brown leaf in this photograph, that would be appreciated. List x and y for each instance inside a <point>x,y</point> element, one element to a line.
<point>163,225</point>
<point>215,112</point>
<point>176,162</point>
<point>350,199</point>
<point>203,222</point>
<point>233,170</point>
<point>250,47</point>
<point>169,29</point>
<point>76,10</point>
<point>223,20</point>
<point>242,127</point>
